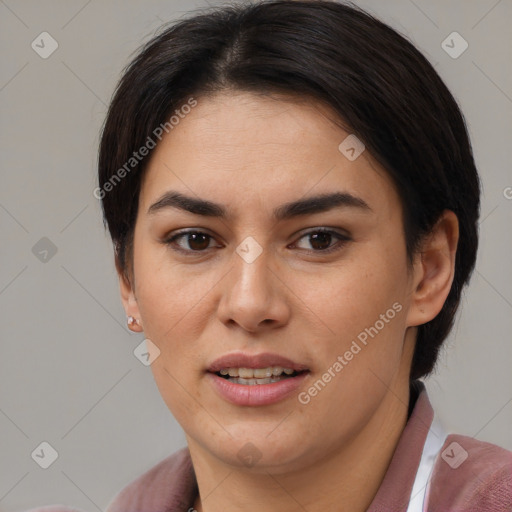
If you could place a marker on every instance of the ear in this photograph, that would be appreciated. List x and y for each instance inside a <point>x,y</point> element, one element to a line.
<point>128,297</point>
<point>433,270</point>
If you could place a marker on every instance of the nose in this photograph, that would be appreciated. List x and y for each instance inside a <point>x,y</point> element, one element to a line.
<point>254,296</point>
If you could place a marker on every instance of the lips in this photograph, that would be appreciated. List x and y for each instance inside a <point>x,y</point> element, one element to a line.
<point>255,391</point>
<point>263,360</point>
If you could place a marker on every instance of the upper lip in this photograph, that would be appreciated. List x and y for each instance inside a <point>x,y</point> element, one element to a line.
<point>263,360</point>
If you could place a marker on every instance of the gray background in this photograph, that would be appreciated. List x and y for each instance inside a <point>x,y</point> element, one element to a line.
<point>68,375</point>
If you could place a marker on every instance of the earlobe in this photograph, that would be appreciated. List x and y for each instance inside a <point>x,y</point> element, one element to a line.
<point>129,301</point>
<point>434,269</point>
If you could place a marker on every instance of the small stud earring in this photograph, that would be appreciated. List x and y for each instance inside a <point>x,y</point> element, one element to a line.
<point>133,323</point>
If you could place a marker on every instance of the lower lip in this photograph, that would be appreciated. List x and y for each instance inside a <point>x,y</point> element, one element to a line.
<point>257,394</point>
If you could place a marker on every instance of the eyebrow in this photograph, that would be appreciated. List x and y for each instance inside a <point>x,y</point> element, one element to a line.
<point>307,206</point>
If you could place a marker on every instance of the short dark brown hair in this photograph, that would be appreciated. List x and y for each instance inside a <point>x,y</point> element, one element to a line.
<point>378,83</point>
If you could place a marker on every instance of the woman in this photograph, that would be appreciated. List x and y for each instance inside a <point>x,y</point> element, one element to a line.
<point>293,202</point>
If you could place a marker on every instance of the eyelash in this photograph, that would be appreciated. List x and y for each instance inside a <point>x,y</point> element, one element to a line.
<point>342,239</point>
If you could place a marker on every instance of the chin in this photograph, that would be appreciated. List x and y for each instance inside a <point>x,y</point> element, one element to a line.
<point>260,451</point>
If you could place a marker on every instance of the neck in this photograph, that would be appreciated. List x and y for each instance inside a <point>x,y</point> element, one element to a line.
<point>349,477</point>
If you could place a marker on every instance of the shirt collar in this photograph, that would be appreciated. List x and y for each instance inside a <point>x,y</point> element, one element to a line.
<point>395,490</point>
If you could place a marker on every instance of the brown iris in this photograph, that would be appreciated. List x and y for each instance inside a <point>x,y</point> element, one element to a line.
<point>198,241</point>
<point>320,240</point>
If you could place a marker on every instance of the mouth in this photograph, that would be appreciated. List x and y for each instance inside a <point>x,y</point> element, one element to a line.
<point>239,365</point>
<point>256,380</point>
<point>258,376</point>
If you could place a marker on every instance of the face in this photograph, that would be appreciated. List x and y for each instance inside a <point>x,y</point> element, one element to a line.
<point>324,284</point>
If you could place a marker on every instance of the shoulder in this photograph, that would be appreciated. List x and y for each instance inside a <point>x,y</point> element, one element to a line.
<point>168,485</point>
<point>471,475</point>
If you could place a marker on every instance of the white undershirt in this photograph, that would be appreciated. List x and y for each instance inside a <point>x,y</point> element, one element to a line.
<point>435,439</point>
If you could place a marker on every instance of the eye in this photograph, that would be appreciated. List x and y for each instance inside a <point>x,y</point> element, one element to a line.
<point>197,241</point>
<point>321,239</point>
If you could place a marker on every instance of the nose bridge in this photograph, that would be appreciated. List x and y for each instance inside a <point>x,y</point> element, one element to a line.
<point>252,294</point>
<point>251,275</point>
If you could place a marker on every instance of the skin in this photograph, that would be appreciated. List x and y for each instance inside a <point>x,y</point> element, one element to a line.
<point>252,153</point>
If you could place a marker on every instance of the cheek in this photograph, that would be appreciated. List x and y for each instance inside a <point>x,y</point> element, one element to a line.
<point>362,304</point>
<point>174,318</point>
<point>170,304</point>
<point>169,295</point>
<point>353,295</point>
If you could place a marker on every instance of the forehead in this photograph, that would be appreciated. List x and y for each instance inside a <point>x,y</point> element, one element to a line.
<point>246,150</point>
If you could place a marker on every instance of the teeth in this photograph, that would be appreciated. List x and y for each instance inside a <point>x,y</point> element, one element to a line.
<point>245,373</point>
<point>261,373</point>
<point>252,382</point>
<point>256,373</point>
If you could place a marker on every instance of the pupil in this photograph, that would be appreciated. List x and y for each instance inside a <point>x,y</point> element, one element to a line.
<point>323,238</point>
